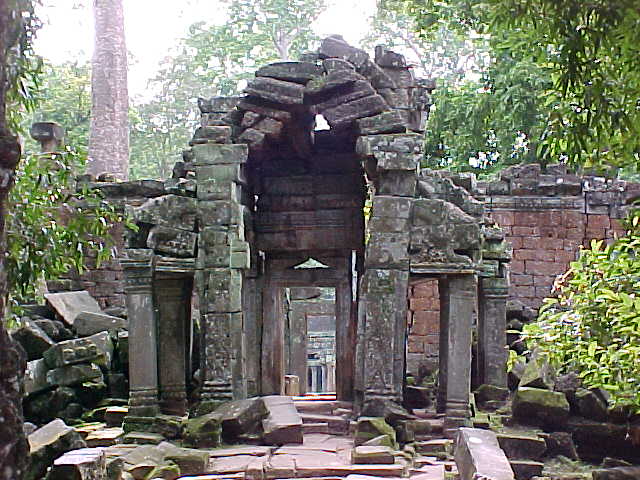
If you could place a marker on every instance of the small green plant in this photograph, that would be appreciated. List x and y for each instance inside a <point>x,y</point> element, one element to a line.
<point>592,327</point>
<point>53,224</point>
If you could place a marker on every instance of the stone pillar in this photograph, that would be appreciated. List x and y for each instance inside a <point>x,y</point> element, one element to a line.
<point>143,352</point>
<point>458,300</point>
<point>222,256</point>
<point>273,361</point>
<point>173,298</point>
<point>343,377</point>
<point>492,331</point>
<point>298,345</point>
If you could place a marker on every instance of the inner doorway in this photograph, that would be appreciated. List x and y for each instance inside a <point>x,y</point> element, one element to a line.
<point>311,336</point>
<point>323,329</point>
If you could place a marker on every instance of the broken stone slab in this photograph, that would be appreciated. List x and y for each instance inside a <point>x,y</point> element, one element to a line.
<point>82,464</point>
<point>591,404</point>
<point>333,83</point>
<point>69,304</point>
<point>379,441</point>
<point>535,406</point>
<point>204,431</point>
<point>97,349</point>
<point>343,115</point>
<point>169,210</point>
<point>538,374</point>
<point>286,93</point>
<point>478,455</point>
<point>48,443</point>
<point>283,423</point>
<point>359,89</point>
<point>333,64</point>
<point>617,473</point>
<point>368,428</point>
<point>211,134</point>
<point>298,72</point>
<point>526,469</point>
<point>379,455</point>
<point>220,154</point>
<point>143,438</point>
<point>172,241</point>
<point>114,416</point>
<point>74,375</point>
<point>33,339</point>
<point>385,122</point>
<point>400,143</point>
<point>522,447</point>
<point>105,437</point>
<point>241,416</point>
<point>217,104</point>
<point>35,378</point>
<point>336,46</point>
<point>90,323</point>
<point>189,460</point>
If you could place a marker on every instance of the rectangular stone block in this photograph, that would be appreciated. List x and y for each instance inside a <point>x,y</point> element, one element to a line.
<point>344,114</point>
<point>220,154</point>
<point>74,375</point>
<point>97,348</point>
<point>478,455</point>
<point>223,291</point>
<point>278,91</point>
<point>214,189</point>
<point>391,206</point>
<point>400,143</point>
<point>220,212</point>
<point>401,183</point>
<point>283,423</point>
<point>35,378</point>
<point>397,160</point>
<point>387,250</point>
<point>82,464</point>
<point>69,304</point>
<point>221,173</point>
<point>172,241</point>
<point>90,323</point>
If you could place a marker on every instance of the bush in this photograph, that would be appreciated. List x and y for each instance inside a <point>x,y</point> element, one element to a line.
<point>592,327</point>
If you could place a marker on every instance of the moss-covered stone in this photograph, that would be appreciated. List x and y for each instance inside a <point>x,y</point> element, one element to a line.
<point>369,428</point>
<point>535,406</point>
<point>204,431</point>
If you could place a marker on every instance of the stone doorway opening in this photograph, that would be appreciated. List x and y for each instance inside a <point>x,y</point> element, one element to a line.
<point>311,334</point>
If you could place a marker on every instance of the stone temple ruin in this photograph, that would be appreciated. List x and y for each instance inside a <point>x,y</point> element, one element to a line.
<point>260,193</point>
<point>288,257</point>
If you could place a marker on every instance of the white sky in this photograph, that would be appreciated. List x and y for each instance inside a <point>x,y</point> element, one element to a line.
<point>154,26</point>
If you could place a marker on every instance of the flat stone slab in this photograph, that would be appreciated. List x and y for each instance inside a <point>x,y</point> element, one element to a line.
<point>90,323</point>
<point>234,464</point>
<point>435,472</point>
<point>283,424</point>
<point>379,455</point>
<point>256,451</point>
<point>104,438</point>
<point>69,304</point>
<point>82,464</point>
<point>478,455</point>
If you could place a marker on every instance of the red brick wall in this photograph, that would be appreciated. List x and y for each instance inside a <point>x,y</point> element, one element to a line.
<point>544,243</point>
<point>424,324</point>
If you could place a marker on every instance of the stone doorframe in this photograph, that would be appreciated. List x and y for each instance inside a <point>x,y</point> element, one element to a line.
<point>279,274</point>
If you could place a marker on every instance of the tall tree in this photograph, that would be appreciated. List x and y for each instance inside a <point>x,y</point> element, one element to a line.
<point>109,135</point>
<point>16,22</point>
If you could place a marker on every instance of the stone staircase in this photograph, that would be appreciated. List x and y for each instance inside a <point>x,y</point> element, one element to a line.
<point>324,414</point>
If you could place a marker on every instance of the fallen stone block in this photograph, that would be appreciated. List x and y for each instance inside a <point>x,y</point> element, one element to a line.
<point>69,304</point>
<point>90,323</point>
<point>83,464</point>
<point>535,406</point>
<point>368,428</point>
<point>526,469</point>
<point>378,455</point>
<point>522,447</point>
<point>342,115</point>
<point>74,375</point>
<point>618,473</point>
<point>114,416</point>
<point>298,72</point>
<point>278,91</point>
<point>33,339</point>
<point>283,423</point>
<point>478,455</point>
<point>97,348</point>
<point>379,441</point>
<point>48,443</point>
<point>189,460</point>
<point>204,431</point>
<point>106,437</point>
<point>241,416</point>
<point>35,377</point>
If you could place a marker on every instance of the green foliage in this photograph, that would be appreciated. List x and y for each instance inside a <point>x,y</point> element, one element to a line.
<point>54,224</point>
<point>65,98</point>
<point>593,326</point>
<point>589,52</point>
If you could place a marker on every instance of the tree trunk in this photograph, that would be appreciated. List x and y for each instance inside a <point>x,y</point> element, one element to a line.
<point>14,449</point>
<point>109,136</point>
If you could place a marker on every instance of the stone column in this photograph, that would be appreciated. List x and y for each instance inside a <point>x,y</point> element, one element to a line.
<point>492,331</point>
<point>273,361</point>
<point>143,352</point>
<point>458,300</point>
<point>298,345</point>
<point>222,256</point>
<point>173,298</point>
<point>345,354</point>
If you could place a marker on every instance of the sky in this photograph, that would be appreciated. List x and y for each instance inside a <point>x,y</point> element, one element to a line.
<point>154,26</point>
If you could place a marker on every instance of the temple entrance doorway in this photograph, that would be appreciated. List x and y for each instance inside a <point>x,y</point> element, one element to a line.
<point>308,328</point>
